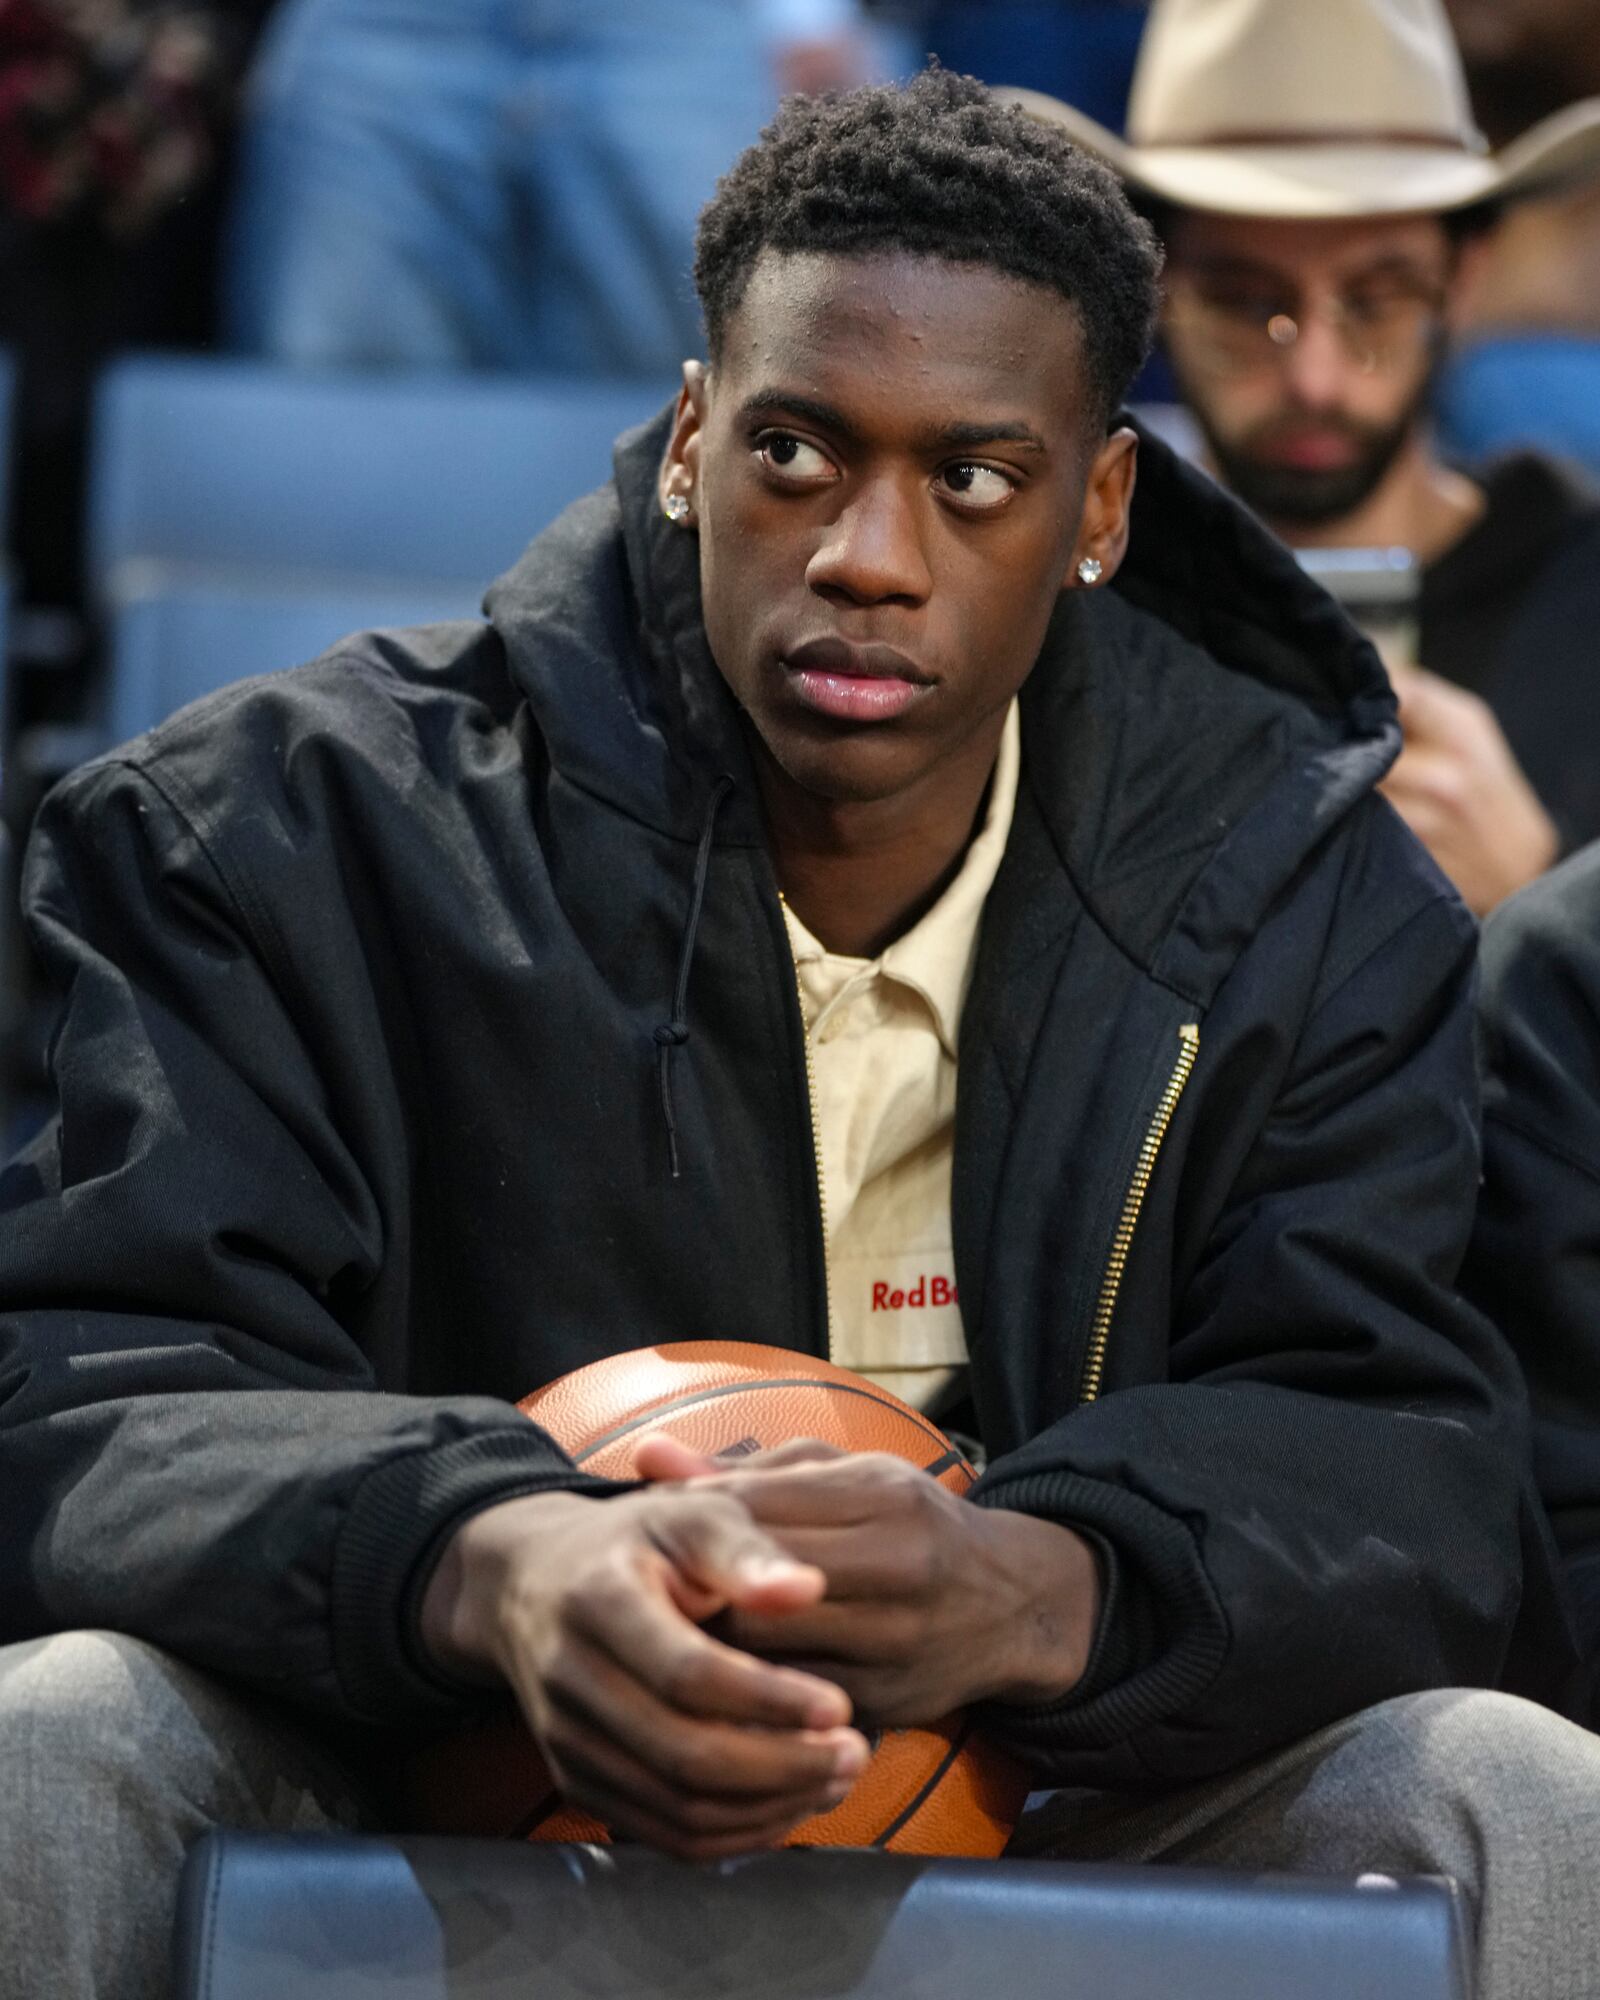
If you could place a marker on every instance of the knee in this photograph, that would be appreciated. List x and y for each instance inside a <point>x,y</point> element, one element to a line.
<point>1496,1757</point>
<point>81,1705</point>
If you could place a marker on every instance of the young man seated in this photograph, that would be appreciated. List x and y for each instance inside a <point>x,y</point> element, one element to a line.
<point>479,1001</point>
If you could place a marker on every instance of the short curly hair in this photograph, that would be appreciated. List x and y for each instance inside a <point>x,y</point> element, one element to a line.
<point>940,168</point>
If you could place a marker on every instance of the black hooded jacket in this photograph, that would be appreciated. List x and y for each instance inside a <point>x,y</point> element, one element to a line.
<point>1535,1256</point>
<point>396,985</point>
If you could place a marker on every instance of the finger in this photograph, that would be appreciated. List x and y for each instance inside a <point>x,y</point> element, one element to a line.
<point>586,1759</point>
<point>1413,682</point>
<point>661,1456</point>
<point>1429,777</point>
<point>589,1784</point>
<point>856,1488</point>
<point>631,1822</point>
<point>1436,713</point>
<point>797,1451</point>
<point>1420,814</point>
<point>884,1697</point>
<point>721,1552</point>
<point>864,1633</point>
<point>695,1674</point>
<point>706,1757</point>
<point>862,1562</point>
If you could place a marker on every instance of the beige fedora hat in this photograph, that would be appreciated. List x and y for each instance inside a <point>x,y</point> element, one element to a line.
<point>1306,108</point>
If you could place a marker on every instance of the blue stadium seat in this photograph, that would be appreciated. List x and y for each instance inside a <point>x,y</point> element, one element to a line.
<point>1541,390</point>
<point>177,632</point>
<point>202,460</point>
<point>243,517</point>
<point>326,1917</point>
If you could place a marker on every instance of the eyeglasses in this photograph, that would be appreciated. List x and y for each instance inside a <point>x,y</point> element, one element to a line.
<point>1233,328</point>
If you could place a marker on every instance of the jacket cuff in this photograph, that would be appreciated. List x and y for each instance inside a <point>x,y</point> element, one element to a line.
<point>1161,1637</point>
<point>398,1523</point>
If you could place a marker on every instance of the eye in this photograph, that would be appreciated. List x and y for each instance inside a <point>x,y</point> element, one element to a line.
<point>792,459</point>
<point>1252,305</point>
<point>1377,305</point>
<point>978,488</point>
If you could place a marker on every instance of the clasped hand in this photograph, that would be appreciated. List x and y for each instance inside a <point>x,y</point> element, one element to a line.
<point>931,1603</point>
<point>689,1656</point>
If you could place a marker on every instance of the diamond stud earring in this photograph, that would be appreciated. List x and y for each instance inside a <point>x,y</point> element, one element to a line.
<point>1090,571</point>
<point>676,509</point>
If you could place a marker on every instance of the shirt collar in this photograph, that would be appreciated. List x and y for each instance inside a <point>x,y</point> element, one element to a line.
<point>936,956</point>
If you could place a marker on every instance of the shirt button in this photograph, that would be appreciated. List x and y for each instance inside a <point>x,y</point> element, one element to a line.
<point>833,1027</point>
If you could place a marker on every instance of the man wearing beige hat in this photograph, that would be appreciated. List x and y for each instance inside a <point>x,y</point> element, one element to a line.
<point>1320,185</point>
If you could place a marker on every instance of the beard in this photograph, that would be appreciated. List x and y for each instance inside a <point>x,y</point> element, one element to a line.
<point>1303,496</point>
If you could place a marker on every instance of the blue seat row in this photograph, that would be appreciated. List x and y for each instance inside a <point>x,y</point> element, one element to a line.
<point>244,517</point>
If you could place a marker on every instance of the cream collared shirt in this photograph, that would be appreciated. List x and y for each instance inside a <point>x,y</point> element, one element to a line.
<point>883,1034</point>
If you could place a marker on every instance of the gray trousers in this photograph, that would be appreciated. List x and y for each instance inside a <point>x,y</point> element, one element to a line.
<point>114,1756</point>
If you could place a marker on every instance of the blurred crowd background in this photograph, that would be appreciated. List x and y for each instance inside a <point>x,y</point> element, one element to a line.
<point>431,184</point>
<point>493,192</point>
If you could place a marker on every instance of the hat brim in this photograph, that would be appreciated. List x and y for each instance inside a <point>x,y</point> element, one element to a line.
<point>1335,180</point>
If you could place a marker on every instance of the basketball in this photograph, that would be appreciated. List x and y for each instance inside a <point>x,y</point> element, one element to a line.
<point>939,1789</point>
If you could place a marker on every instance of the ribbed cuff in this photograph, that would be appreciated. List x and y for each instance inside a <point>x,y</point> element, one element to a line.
<point>1162,1635</point>
<point>398,1522</point>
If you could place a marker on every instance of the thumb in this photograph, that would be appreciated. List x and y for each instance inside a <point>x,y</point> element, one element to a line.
<point>660,1456</point>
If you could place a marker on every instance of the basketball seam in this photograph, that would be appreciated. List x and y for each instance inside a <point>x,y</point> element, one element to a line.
<point>757,1382</point>
<point>935,1779</point>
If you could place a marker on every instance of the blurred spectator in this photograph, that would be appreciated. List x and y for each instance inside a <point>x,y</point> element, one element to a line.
<point>1534,1265</point>
<point>114,119</point>
<point>1532,367</point>
<point>1318,178</point>
<point>459,183</point>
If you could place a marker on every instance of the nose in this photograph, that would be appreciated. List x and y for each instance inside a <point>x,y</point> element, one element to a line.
<point>1318,367</point>
<point>873,552</point>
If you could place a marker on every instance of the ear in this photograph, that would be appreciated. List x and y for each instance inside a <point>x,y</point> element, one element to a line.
<point>1103,529</point>
<point>679,476</point>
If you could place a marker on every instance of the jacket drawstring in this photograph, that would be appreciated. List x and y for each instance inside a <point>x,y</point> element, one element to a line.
<point>673,1034</point>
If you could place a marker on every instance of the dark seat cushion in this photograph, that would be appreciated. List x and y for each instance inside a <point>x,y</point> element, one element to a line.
<point>331,1918</point>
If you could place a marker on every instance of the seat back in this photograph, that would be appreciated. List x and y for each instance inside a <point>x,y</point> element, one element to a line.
<point>176,632</point>
<point>333,1918</point>
<point>243,517</point>
<point>202,460</point>
<point>1540,391</point>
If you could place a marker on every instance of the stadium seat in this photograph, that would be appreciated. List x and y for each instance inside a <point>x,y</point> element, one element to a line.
<point>334,1918</point>
<point>1540,390</point>
<point>199,460</point>
<point>177,632</point>
<point>243,517</point>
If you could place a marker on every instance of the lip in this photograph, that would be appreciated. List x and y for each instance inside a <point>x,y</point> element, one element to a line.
<point>854,683</point>
<point>1313,451</point>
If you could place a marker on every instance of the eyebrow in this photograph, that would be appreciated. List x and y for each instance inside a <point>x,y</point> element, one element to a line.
<point>1393,263</point>
<point>946,437</point>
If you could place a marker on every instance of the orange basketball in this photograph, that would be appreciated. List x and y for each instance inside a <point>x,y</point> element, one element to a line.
<point>942,1789</point>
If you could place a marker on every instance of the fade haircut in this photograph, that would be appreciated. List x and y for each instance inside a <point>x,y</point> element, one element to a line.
<point>939,168</point>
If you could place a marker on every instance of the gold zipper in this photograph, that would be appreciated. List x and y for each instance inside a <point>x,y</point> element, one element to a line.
<point>816,1140</point>
<point>1094,1366</point>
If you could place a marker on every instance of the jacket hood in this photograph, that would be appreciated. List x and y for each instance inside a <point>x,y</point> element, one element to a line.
<point>1188,734</point>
